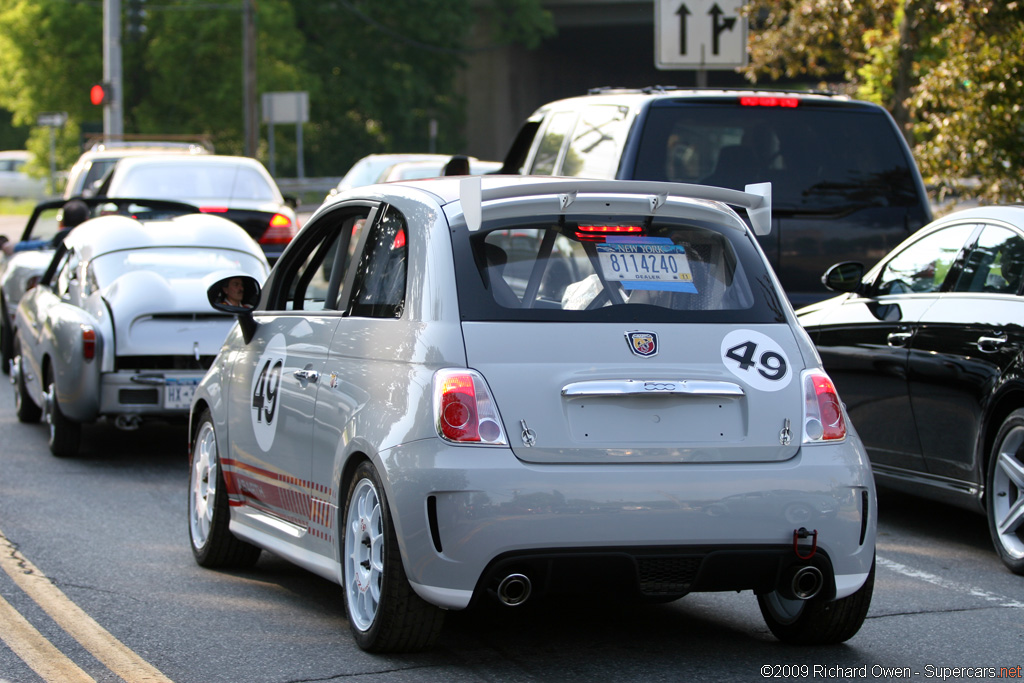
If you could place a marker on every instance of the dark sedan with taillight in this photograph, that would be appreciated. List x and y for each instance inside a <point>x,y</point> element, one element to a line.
<point>926,349</point>
<point>237,188</point>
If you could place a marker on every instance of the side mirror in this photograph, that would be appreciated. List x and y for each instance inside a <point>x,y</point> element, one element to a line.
<point>292,201</point>
<point>238,295</point>
<point>844,277</point>
<point>234,294</point>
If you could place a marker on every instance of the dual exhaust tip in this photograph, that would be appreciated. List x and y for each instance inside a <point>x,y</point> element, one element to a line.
<point>801,582</point>
<point>514,589</point>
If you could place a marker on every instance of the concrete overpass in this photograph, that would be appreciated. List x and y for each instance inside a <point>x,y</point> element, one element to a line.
<point>598,43</point>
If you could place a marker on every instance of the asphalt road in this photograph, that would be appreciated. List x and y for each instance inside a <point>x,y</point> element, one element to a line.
<point>108,531</point>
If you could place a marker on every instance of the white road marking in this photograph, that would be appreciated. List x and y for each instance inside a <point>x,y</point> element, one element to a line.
<point>956,586</point>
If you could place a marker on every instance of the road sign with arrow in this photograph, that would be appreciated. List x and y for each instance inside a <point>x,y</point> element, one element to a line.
<point>699,34</point>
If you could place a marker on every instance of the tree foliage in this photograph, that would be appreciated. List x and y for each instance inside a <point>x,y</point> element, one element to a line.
<point>968,115</point>
<point>377,73</point>
<point>950,71</point>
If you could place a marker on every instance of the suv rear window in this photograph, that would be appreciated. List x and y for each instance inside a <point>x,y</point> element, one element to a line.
<point>818,159</point>
<point>620,269</point>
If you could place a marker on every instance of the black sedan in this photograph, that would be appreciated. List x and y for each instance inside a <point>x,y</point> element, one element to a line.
<point>927,350</point>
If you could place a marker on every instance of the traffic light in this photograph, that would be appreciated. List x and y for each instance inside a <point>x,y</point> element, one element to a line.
<point>101,94</point>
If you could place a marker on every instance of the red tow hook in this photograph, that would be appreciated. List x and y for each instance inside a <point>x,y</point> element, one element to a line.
<point>801,533</point>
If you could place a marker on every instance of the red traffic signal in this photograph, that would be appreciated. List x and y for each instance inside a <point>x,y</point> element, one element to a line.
<point>100,94</point>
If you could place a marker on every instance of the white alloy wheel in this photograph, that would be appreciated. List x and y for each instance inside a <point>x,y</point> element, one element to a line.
<point>384,612</point>
<point>202,494</point>
<point>209,518</point>
<point>364,554</point>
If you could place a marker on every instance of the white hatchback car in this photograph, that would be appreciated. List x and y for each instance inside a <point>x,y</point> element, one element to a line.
<point>501,386</point>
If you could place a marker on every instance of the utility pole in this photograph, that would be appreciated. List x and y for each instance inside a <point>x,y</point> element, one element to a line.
<point>249,77</point>
<point>113,111</point>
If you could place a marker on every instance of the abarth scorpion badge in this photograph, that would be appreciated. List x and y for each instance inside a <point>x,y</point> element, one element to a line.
<point>643,344</point>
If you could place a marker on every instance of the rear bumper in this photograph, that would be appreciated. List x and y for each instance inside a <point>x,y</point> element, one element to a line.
<point>145,393</point>
<point>465,516</point>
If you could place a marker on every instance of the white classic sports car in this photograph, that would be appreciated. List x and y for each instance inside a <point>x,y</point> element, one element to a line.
<point>500,387</point>
<point>43,231</point>
<point>119,325</point>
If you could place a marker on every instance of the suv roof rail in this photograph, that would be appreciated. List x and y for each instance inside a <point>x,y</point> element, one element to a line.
<point>97,141</point>
<point>757,199</point>
<point>653,89</point>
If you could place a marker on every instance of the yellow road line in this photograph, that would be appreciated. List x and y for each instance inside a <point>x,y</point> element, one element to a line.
<point>79,625</point>
<point>35,650</point>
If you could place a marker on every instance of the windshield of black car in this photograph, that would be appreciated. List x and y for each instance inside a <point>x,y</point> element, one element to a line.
<point>615,269</point>
<point>196,181</point>
<point>818,159</point>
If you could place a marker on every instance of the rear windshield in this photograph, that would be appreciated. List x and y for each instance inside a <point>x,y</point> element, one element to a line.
<point>818,159</point>
<point>195,181</point>
<point>620,269</point>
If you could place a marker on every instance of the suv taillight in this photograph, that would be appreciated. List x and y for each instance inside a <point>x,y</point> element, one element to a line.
<point>280,231</point>
<point>769,101</point>
<point>823,414</point>
<point>464,410</point>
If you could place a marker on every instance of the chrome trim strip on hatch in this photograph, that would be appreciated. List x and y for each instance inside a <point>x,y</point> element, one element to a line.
<point>674,387</point>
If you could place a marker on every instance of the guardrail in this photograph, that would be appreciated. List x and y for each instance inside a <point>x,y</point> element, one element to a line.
<point>309,191</point>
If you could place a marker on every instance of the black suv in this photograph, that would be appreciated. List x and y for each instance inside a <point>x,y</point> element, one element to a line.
<point>844,184</point>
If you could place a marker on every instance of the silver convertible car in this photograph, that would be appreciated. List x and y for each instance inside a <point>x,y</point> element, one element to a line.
<point>119,324</point>
<point>502,387</point>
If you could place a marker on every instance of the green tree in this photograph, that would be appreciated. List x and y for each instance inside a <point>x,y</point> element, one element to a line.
<point>187,70</point>
<point>51,55</point>
<point>950,72</point>
<point>377,72</point>
<point>385,70</point>
<point>968,107</point>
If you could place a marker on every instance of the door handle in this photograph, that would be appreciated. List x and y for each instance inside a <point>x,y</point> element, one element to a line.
<point>991,344</point>
<point>307,375</point>
<point>898,338</point>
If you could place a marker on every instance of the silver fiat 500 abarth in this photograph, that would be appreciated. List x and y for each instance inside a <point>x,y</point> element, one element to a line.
<point>463,388</point>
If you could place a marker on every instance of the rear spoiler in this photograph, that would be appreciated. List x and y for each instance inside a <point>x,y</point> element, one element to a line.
<point>756,199</point>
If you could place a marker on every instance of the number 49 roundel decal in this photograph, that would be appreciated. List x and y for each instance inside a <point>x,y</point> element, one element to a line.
<point>266,385</point>
<point>757,359</point>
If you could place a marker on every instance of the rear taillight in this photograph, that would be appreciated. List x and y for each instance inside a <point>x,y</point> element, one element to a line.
<point>823,414</point>
<point>464,410</point>
<point>213,209</point>
<point>88,342</point>
<point>280,231</point>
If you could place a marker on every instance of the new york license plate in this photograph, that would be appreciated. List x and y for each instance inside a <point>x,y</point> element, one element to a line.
<point>178,392</point>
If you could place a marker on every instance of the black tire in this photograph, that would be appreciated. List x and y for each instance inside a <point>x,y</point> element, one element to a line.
<point>1004,486</point>
<point>65,433</point>
<point>817,621</point>
<point>6,339</point>
<point>25,408</point>
<point>213,544</point>
<point>384,612</point>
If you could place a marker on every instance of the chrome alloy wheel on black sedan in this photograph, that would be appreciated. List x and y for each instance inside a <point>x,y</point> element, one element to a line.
<point>1005,504</point>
